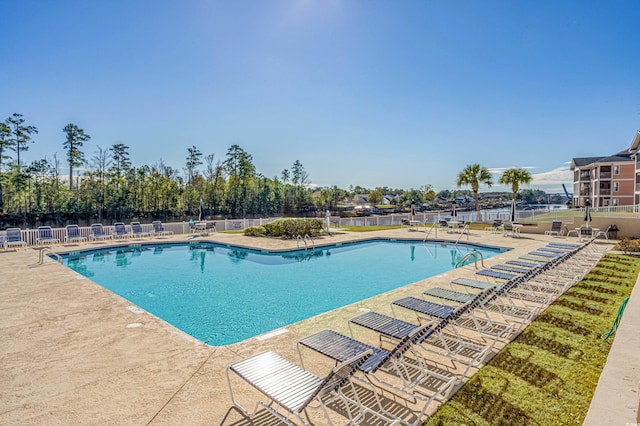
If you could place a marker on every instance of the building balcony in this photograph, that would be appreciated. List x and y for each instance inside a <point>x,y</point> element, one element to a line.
<point>605,175</point>
<point>605,191</point>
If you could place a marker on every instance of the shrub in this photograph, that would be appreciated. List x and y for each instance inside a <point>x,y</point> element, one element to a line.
<point>628,246</point>
<point>291,228</point>
<point>273,229</point>
<point>255,231</point>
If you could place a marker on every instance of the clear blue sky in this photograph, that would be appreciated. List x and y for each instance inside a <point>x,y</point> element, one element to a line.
<point>362,92</point>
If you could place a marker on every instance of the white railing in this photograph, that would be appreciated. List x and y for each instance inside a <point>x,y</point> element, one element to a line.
<point>30,236</point>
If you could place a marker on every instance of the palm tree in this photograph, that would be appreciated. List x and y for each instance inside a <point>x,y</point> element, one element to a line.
<point>515,177</point>
<point>473,175</point>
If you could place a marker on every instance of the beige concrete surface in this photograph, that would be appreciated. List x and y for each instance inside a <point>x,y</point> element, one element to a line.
<point>75,353</point>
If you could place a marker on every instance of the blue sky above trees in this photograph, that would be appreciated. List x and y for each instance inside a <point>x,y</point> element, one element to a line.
<point>370,93</point>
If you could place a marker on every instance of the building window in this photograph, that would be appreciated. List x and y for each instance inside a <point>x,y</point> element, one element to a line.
<point>616,186</point>
<point>616,170</point>
<point>615,202</point>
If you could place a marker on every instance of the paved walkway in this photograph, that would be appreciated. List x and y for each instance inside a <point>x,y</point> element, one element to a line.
<point>75,353</point>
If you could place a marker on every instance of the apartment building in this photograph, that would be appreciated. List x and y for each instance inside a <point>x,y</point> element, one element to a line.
<point>606,181</point>
<point>634,149</point>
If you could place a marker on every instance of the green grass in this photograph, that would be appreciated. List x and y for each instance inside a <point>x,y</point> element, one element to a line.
<point>573,215</point>
<point>548,374</point>
<point>472,226</point>
<point>369,228</point>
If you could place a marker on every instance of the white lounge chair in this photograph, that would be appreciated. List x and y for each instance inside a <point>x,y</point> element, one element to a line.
<point>73,234</point>
<point>98,233</point>
<point>496,227</point>
<point>290,387</point>
<point>158,228</point>
<point>389,371</point>
<point>120,231</point>
<point>136,230</point>
<point>556,229</point>
<point>14,238</point>
<point>45,236</point>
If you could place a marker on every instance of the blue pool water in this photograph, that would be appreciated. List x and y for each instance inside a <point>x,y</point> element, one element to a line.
<point>222,295</point>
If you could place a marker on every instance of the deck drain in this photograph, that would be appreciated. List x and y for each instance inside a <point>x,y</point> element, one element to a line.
<point>134,325</point>
<point>135,309</point>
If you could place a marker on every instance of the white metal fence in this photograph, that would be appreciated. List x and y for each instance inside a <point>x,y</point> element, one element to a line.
<point>30,236</point>
<point>539,215</point>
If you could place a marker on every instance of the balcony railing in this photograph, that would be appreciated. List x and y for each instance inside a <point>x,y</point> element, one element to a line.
<point>605,175</point>
<point>605,191</point>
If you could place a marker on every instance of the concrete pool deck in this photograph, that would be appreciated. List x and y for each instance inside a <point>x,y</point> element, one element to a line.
<point>75,353</point>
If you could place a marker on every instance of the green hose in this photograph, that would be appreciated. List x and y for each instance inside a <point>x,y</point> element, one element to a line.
<point>616,322</point>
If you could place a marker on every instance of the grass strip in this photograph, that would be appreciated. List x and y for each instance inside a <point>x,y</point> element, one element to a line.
<point>548,374</point>
<point>354,228</point>
<point>368,228</point>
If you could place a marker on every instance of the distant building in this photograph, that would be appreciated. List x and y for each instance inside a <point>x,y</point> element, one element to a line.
<point>391,199</point>
<point>605,181</point>
<point>360,199</point>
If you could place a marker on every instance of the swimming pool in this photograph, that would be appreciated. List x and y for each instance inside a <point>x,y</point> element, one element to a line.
<point>223,294</point>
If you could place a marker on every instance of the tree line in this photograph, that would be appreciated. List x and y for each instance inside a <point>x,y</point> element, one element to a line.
<point>107,187</point>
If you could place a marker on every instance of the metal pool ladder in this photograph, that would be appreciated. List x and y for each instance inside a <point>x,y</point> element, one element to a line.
<point>51,252</point>
<point>304,240</point>
<point>468,256</point>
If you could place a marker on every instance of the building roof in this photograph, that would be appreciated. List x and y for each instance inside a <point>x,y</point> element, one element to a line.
<point>616,158</point>
<point>635,143</point>
<point>584,161</point>
<point>621,157</point>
